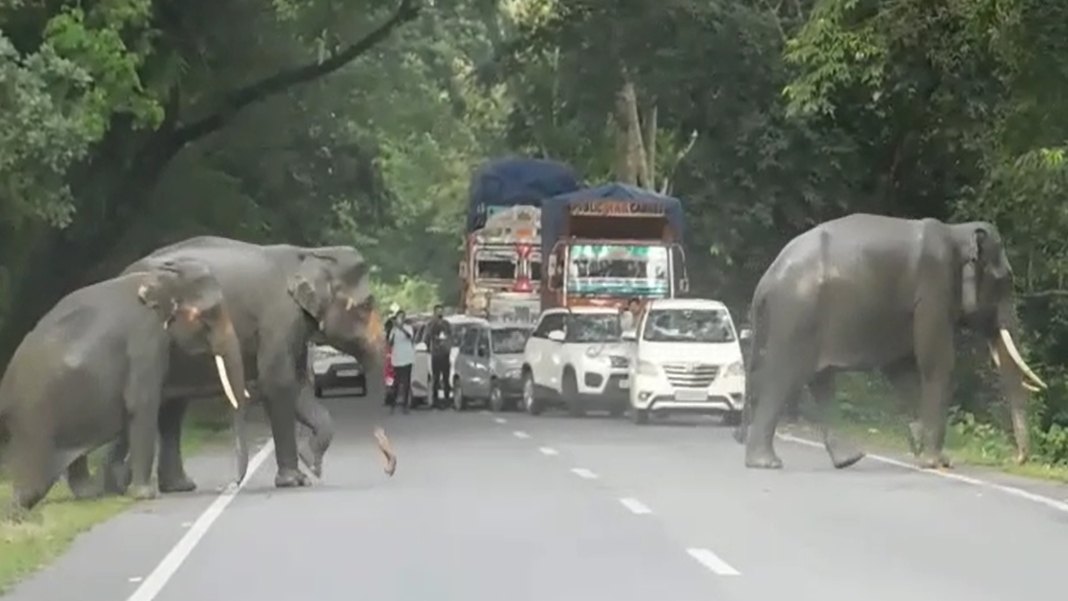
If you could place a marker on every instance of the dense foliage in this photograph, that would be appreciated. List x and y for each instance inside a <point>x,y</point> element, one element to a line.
<point>131,123</point>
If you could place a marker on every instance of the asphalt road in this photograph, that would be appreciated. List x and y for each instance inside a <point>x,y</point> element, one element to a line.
<point>487,507</point>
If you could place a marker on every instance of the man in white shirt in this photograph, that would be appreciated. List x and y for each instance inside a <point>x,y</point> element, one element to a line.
<point>628,320</point>
<point>401,357</point>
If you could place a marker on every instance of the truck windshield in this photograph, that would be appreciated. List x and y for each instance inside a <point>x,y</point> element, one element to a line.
<point>635,270</point>
<point>597,327</point>
<point>686,325</point>
<point>495,265</point>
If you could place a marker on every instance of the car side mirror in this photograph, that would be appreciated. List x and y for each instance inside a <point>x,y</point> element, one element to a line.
<point>630,335</point>
<point>557,336</point>
<point>745,334</point>
<point>420,347</point>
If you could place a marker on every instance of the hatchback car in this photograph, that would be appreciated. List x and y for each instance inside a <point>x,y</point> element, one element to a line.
<point>332,369</point>
<point>489,366</point>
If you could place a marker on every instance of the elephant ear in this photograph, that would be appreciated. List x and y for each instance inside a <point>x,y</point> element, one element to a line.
<point>310,286</point>
<point>158,291</point>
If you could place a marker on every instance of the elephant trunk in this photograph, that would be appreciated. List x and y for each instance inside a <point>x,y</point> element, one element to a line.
<point>1012,371</point>
<point>228,362</point>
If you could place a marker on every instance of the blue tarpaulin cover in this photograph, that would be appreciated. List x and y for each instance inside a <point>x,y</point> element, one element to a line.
<point>512,181</point>
<point>555,209</point>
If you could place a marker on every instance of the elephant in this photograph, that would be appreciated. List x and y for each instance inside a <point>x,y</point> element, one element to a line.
<point>92,370</point>
<point>872,292</point>
<point>280,297</point>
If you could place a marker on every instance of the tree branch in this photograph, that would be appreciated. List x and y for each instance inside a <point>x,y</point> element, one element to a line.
<point>282,81</point>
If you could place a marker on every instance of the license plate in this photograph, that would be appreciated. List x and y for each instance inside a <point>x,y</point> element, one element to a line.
<point>691,395</point>
<point>624,383</point>
<point>348,373</point>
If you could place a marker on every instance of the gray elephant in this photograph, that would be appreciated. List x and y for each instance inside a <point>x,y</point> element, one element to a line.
<point>280,297</point>
<point>872,292</point>
<point>93,368</point>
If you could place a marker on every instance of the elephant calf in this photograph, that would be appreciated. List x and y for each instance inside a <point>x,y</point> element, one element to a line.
<point>92,371</point>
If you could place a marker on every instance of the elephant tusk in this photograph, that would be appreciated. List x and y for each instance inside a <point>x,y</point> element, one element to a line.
<point>1031,387</point>
<point>1010,346</point>
<point>224,378</point>
<point>994,354</point>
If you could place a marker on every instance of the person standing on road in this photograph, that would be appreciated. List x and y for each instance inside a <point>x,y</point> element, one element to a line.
<point>401,357</point>
<point>629,319</point>
<point>439,339</point>
<point>388,327</point>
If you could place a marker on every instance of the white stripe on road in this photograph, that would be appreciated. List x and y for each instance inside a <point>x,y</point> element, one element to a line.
<point>154,583</point>
<point>1011,490</point>
<point>500,420</point>
<point>582,472</point>
<point>635,506</point>
<point>521,434</point>
<point>548,451</point>
<point>712,561</point>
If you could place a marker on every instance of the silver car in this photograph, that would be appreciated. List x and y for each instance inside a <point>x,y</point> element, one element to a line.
<point>489,366</point>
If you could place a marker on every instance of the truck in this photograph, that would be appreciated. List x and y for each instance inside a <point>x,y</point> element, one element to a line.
<point>500,272</point>
<point>608,244</point>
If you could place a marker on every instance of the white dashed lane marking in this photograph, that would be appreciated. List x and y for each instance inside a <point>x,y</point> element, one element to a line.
<point>548,451</point>
<point>713,562</point>
<point>521,434</point>
<point>635,506</point>
<point>582,472</point>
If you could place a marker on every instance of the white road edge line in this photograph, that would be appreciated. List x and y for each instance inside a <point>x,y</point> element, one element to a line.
<point>713,562</point>
<point>1010,490</point>
<point>500,420</point>
<point>635,506</point>
<point>548,451</point>
<point>582,472</point>
<point>521,434</point>
<point>152,585</point>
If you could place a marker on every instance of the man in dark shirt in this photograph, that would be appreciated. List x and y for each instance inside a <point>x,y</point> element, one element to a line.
<point>439,341</point>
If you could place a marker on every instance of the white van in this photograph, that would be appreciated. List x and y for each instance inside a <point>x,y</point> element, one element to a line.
<point>687,360</point>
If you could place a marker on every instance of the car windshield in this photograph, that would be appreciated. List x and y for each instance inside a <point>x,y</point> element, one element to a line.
<point>688,325</point>
<point>510,340</point>
<point>598,327</point>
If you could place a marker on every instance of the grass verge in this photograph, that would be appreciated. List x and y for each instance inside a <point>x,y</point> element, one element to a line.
<point>59,519</point>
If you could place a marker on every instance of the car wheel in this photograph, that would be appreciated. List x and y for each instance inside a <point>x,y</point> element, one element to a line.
<point>571,396</point>
<point>530,401</point>
<point>496,398</point>
<point>459,403</point>
<point>733,418</point>
<point>640,416</point>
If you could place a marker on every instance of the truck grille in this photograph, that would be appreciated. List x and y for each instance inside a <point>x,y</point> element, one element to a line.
<point>690,375</point>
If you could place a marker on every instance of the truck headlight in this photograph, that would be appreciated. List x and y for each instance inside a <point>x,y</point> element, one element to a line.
<point>735,369</point>
<point>647,368</point>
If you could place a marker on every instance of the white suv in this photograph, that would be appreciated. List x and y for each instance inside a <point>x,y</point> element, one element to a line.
<point>576,358</point>
<point>688,360</point>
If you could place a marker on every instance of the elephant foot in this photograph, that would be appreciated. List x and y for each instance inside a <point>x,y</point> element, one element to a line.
<point>291,479</point>
<point>933,462</point>
<point>180,483</point>
<point>311,460</point>
<point>765,460</point>
<point>841,463</point>
<point>142,492</point>
<point>116,478</point>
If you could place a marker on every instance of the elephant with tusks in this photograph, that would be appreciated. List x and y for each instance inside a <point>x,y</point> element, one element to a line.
<point>866,292</point>
<point>281,297</point>
<point>92,370</point>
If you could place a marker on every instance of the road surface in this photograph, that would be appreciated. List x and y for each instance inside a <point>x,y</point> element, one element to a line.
<point>487,507</point>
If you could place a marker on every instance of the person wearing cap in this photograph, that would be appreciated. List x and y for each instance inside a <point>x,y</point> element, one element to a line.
<point>401,357</point>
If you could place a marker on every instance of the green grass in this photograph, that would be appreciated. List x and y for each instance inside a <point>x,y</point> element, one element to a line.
<point>59,519</point>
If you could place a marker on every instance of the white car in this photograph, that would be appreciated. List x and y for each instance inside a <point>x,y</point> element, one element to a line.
<point>421,374</point>
<point>576,358</point>
<point>331,369</point>
<point>688,360</point>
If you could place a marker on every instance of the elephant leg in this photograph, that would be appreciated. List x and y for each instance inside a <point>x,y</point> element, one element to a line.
<point>281,387</point>
<point>115,473</point>
<point>81,482</point>
<point>843,454</point>
<point>780,381</point>
<point>35,468</point>
<point>171,470</point>
<point>935,360</point>
<point>143,428</point>
<point>314,415</point>
<point>905,380</point>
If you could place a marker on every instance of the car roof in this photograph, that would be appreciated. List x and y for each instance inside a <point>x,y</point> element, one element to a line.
<point>504,325</point>
<point>586,310</point>
<point>685,303</point>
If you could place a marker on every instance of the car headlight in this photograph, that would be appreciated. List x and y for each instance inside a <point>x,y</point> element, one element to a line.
<point>735,369</point>
<point>593,352</point>
<point>647,368</point>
